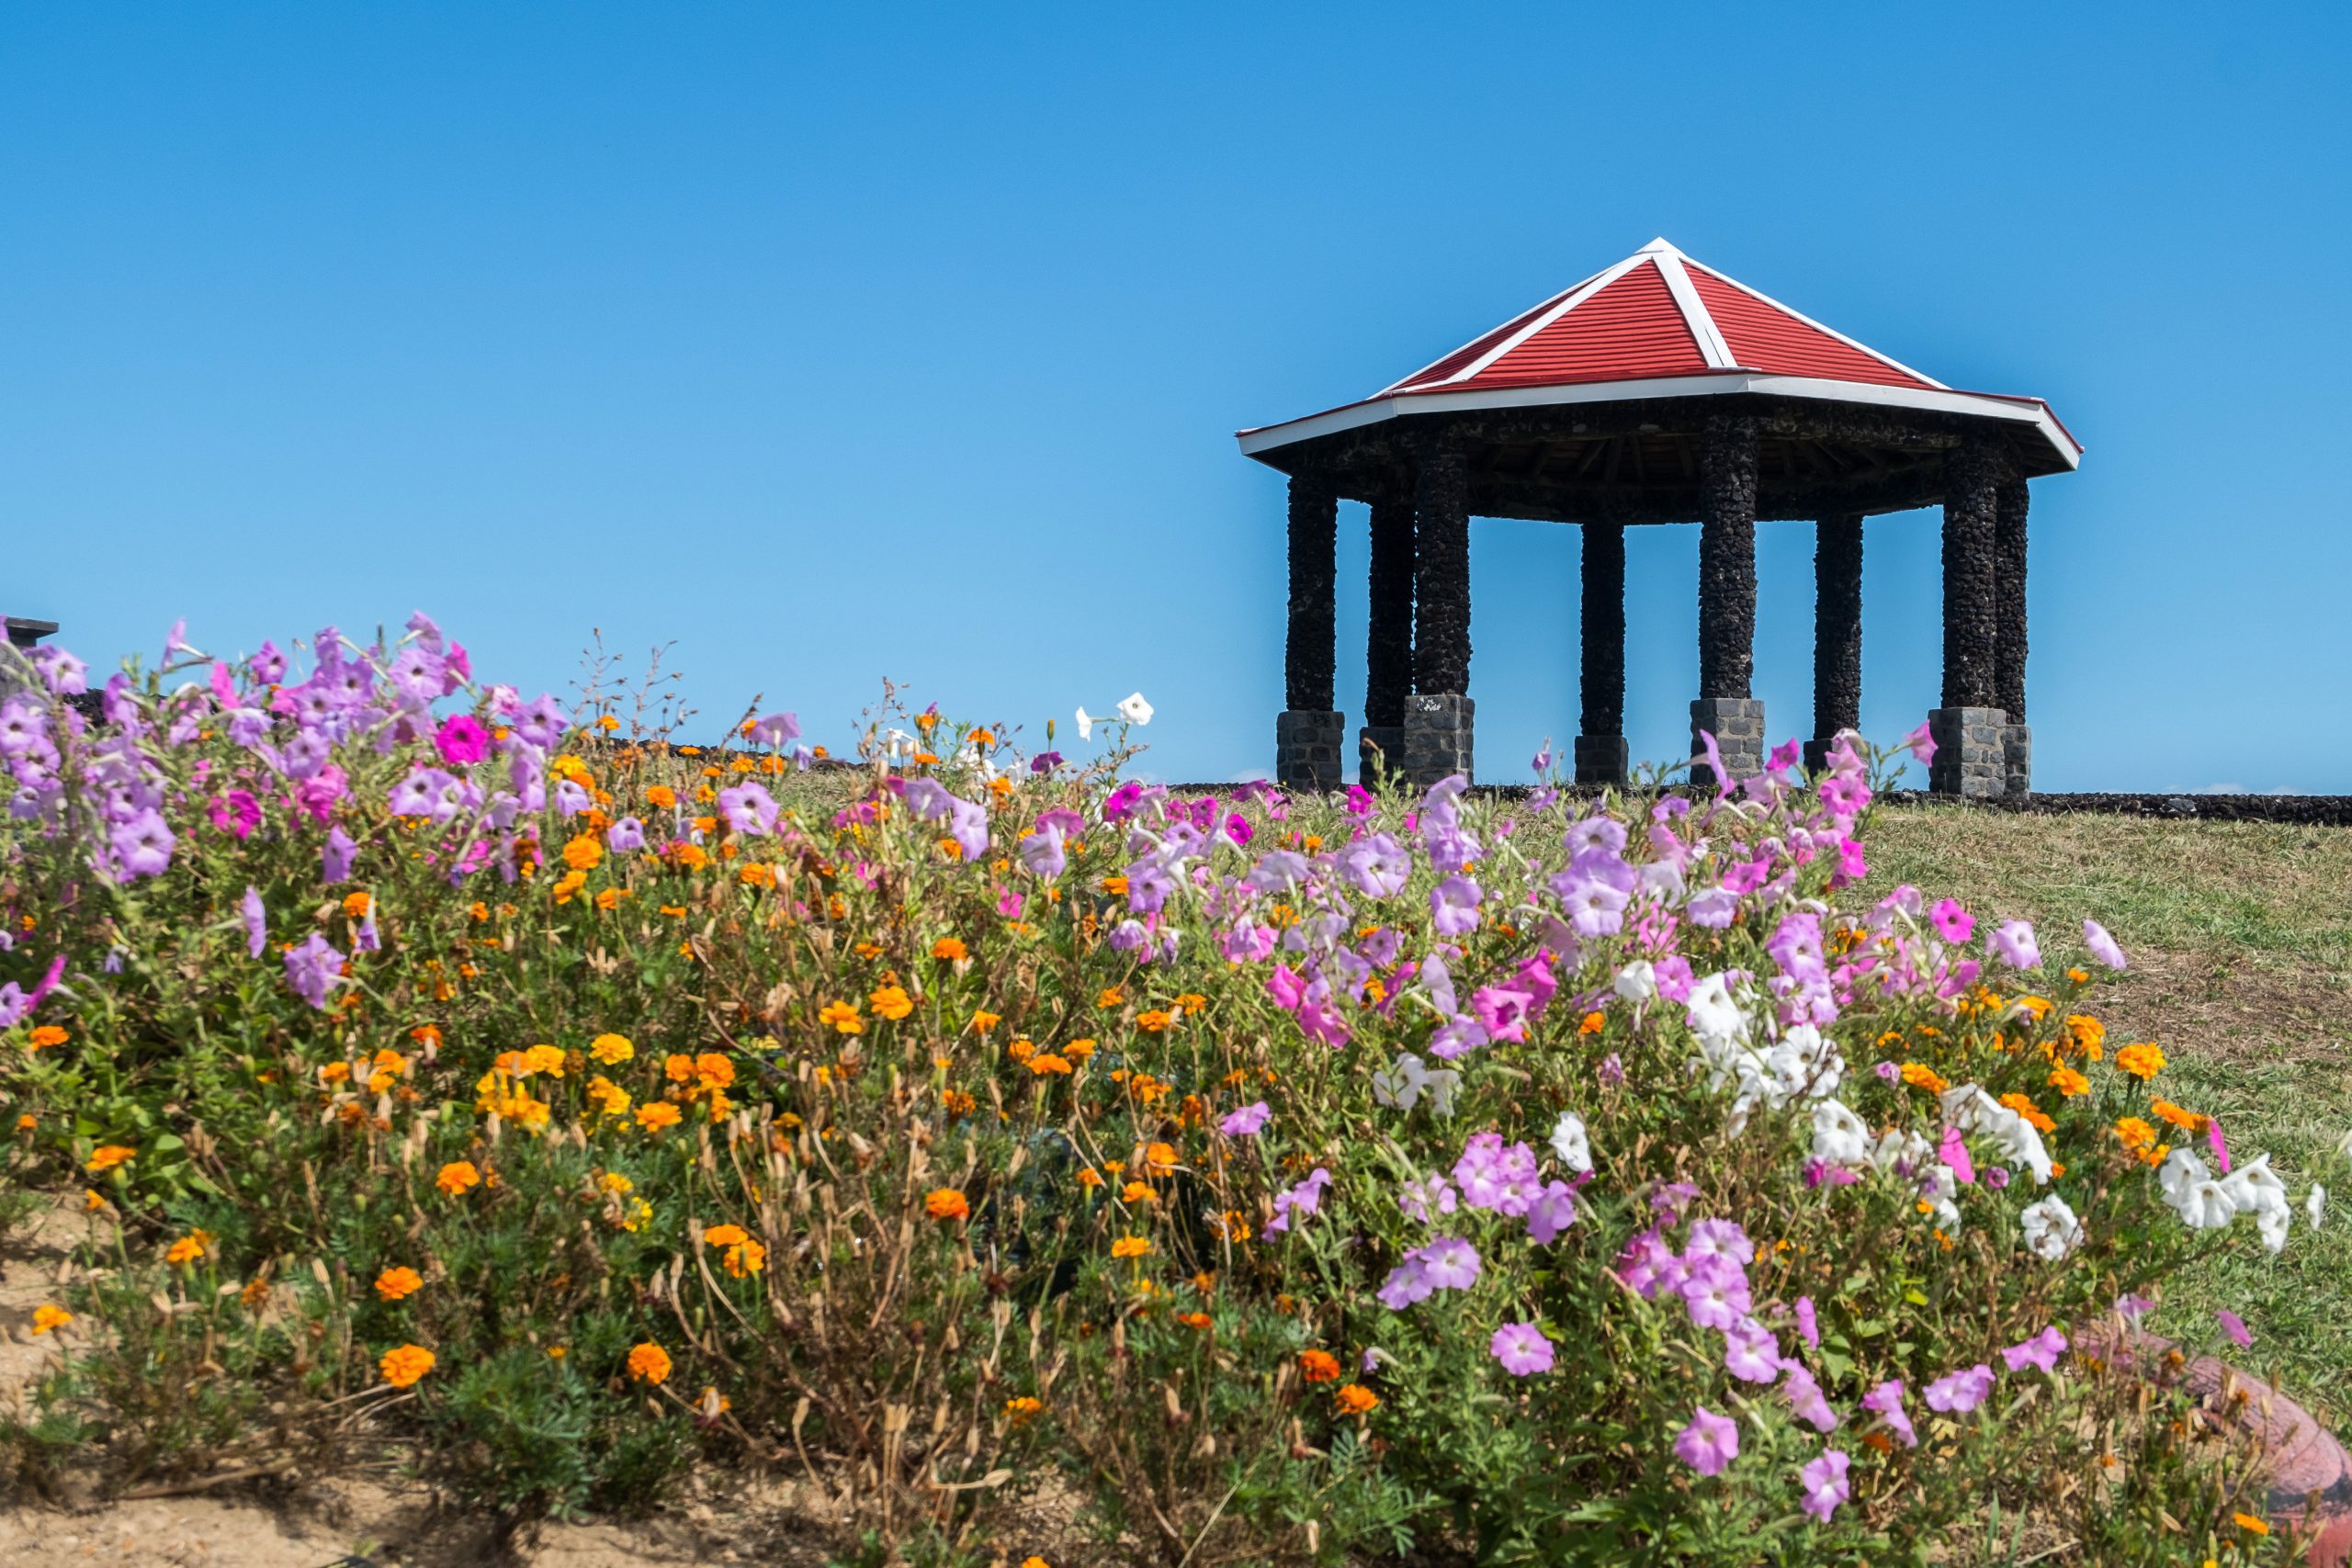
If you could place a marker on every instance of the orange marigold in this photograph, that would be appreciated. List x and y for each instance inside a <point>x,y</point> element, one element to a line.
<point>949,948</point>
<point>47,1316</point>
<point>106,1157</point>
<point>1319,1366</point>
<point>1131,1246</point>
<point>2136,1134</point>
<point>1918,1075</point>
<point>1153,1021</point>
<point>892,1002</point>
<point>657,1115</point>
<point>2142,1062</point>
<point>402,1365</point>
<point>2068,1082</point>
<point>2188,1121</point>
<point>1354,1399</point>
<point>947,1204</point>
<point>457,1177</point>
<point>47,1036</point>
<point>396,1283</point>
<point>648,1363</point>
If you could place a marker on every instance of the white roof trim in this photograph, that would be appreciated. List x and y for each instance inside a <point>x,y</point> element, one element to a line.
<point>1938,399</point>
<point>1712,347</point>
<point>1582,292</point>
<point>1850,342</point>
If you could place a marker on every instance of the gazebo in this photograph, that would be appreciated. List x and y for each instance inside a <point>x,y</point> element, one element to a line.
<point>1658,391</point>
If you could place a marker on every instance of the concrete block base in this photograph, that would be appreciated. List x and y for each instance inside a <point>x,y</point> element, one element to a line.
<point>1738,725</point>
<point>1971,759</point>
<point>1307,748</point>
<point>1438,731</point>
<point>1601,760</point>
<point>2017,758</point>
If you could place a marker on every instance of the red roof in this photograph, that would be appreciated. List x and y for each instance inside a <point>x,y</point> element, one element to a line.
<point>1656,313</point>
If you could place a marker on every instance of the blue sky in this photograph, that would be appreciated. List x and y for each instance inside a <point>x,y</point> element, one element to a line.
<point>840,342</point>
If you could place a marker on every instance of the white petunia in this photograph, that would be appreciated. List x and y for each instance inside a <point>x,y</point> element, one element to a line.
<point>2051,1230</point>
<point>1135,710</point>
<point>1403,1085</point>
<point>1839,1137</point>
<point>1637,982</point>
<point>1570,1143</point>
<point>2204,1206</point>
<point>1086,723</point>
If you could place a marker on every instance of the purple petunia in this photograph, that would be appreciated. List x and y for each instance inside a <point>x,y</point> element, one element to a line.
<point>2103,946</point>
<point>1709,1443</point>
<point>1953,922</point>
<point>1522,1348</point>
<point>1886,1400</point>
<point>624,837</point>
<point>142,845</point>
<point>1825,1484</point>
<point>336,855</point>
<point>1246,1122</point>
<point>2014,945</point>
<point>2042,1350</point>
<point>313,968</point>
<point>1453,906</point>
<point>256,919</point>
<point>1959,1392</point>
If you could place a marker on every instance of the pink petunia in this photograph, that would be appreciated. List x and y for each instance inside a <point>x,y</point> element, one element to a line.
<point>1709,1443</point>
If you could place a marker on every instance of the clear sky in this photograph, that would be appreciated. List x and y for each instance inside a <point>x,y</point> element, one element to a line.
<point>833,342</point>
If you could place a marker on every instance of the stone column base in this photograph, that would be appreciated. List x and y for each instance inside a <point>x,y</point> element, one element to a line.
<point>2016,757</point>
<point>1738,725</point>
<point>1380,747</point>
<point>1307,748</point>
<point>1601,760</point>
<point>1971,761</point>
<point>1438,735</point>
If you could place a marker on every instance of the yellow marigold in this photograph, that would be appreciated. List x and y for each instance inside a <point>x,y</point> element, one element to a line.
<point>892,1002</point>
<point>457,1177</point>
<point>394,1284</point>
<point>949,948</point>
<point>1354,1399</point>
<point>1153,1021</point>
<point>106,1157</point>
<point>655,1117</point>
<point>1918,1075</point>
<point>2088,1032</point>
<point>947,1204</point>
<point>2068,1082</point>
<point>1131,1246</point>
<point>1079,1050</point>
<point>2142,1062</point>
<point>649,1362</point>
<point>612,1050</point>
<point>843,1016</point>
<point>1023,1408</point>
<point>402,1365</point>
<point>1160,1159</point>
<point>608,1096</point>
<point>2188,1121</point>
<point>2037,1006</point>
<point>548,1059</point>
<point>47,1036</point>
<point>2136,1134</point>
<point>568,885</point>
<point>638,1214</point>
<point>1319,1366</point>
<point>46,1317</point>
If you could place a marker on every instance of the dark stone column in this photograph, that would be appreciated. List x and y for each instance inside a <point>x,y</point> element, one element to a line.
<point>1307,733</point>
<point>1600,679</point>
<point>1437,716</point>
<point>2008,633</point>
<point>1837,633</point>
<point>1967,728</point>
<point>1727,599</point>
<point>1388,645</point>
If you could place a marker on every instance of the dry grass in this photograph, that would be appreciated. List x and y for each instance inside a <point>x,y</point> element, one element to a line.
<point>2240,935</point>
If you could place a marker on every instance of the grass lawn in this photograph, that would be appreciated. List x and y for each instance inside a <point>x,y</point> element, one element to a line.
<point>2240,936</point>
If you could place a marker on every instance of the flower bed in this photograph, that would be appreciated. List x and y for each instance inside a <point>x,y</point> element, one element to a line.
<point>1242,1177</point>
